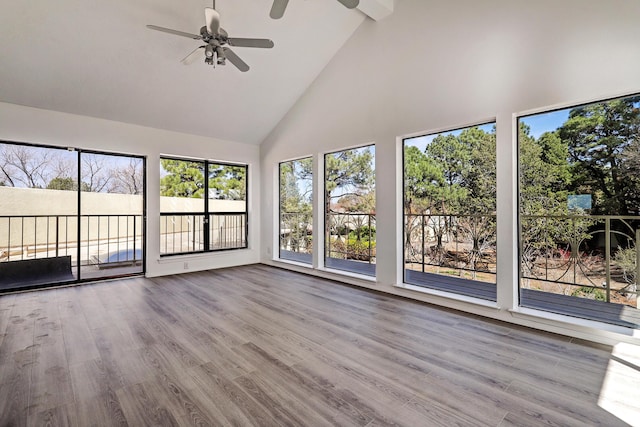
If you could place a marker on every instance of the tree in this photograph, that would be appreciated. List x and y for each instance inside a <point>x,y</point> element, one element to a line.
<point>95,173</point>
<point>66,184</point>
<point>128,179</point>
<point>422,177</point>
<point>25,166</point>
<point>296,204</point>
<point>227,182</point>
<point>183,179</point>
<point>597,135</point>
<point>478,174</point>
<point>451,155</point>
<point>630,175</point>
<point>348,172</point>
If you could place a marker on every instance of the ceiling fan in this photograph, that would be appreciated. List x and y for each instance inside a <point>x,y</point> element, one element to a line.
<point>277,10</point>
<point>216,42</point>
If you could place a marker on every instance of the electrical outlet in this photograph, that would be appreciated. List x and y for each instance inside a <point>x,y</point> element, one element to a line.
<point>186,265</point>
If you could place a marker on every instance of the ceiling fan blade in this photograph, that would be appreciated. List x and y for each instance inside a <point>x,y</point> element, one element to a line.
<point>197,52</point>
<point>277,10</point>
<point>175,32</point>
<point>212,19</point>
<point>350,3</point>
<point>235,60</point>
<point>240,42</point>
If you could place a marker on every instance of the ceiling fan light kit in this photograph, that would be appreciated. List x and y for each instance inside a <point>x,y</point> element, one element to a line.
<point>216,39</point>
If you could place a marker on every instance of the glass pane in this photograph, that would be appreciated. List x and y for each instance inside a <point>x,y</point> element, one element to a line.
<point>111,211</point>
<point>38,222</point>
<point>296,210</point>
<point>449,211</point>
<point>580,210</point>
<point>349,205</point>
<point>227,206</point>
<point>182,188</point>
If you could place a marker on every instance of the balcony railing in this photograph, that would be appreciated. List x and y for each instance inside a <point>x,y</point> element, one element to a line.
<point>587,256</point>
<point>97,240</point>
<point>350,242</point>
<point>296,234</point>
<point>182,233</point>
<point>455,245</point>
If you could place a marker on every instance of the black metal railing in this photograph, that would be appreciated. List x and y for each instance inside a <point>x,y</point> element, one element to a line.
<point>96,239</point>
<point>588,256</point>
<point>454,245</point>
<point>351,236</point>
<point>189,232</point>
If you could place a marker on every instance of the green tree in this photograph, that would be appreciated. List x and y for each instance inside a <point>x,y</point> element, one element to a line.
<point>348,172</point>
<point>183,178</point>
<point>597,135</point>
<point>630,174</point>
<point>423,176</point>
<point>294,196</point>
<point>478,174</point>
<point>68,184</point>
<point>452,156</point>
<point>228,182</point>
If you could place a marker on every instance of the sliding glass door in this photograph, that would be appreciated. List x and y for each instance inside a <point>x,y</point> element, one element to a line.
<point>68,215</point>
<point>112,215</point>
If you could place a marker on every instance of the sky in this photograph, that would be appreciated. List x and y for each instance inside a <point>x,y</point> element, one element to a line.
<point>541,123</point>
<point>538,123</point>
<point>422,141</point>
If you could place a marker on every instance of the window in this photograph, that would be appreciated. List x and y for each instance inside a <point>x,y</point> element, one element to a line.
<point>69,215</point>
<point>203,206</point>
<point>449,211</point>
<point>296,210</point>
<point>349,206</point>
<point>579,209</point>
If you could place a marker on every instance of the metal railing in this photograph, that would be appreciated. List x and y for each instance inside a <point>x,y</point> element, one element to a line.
<point>589,256</point>
<point>188,232</point>
<point>351,236</point>
<point>96,239</point>
<point>454,245</point>
<point>296,232</point>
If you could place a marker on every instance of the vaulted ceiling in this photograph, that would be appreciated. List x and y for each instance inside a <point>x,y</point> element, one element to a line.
<point>98,59</point>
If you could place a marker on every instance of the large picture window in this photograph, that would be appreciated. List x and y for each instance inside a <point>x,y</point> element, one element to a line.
<point>450,211</point>
<point>296,213</point>
<point>349,206</point>
<point>203,206</point>
<point>580,210</point>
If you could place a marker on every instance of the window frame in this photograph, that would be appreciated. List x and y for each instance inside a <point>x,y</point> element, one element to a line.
<point>403,179</point>
<point>206,213</point>
<point>280,211</point>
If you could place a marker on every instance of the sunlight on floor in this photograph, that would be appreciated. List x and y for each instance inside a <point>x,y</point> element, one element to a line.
<point>620,391</point>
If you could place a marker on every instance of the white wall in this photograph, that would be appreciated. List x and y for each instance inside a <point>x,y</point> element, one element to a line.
<point>24,124</point>
<point>434,65</point>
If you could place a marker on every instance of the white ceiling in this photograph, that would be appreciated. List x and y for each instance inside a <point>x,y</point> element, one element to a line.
<point>98,59</point>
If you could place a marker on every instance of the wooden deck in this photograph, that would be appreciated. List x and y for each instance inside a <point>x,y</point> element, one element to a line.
<point>600,311</point>
<point>358,267</point>
<point>615,314</point>
<point>471,288</point>
<point>296,256</point>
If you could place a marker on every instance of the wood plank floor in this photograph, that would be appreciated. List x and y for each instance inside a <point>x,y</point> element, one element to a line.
<point>257,345</point>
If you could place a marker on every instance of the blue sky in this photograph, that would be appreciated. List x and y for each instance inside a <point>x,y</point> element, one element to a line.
<point>422,141</point>
<point>538,123</point>
<point>541,123</point>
